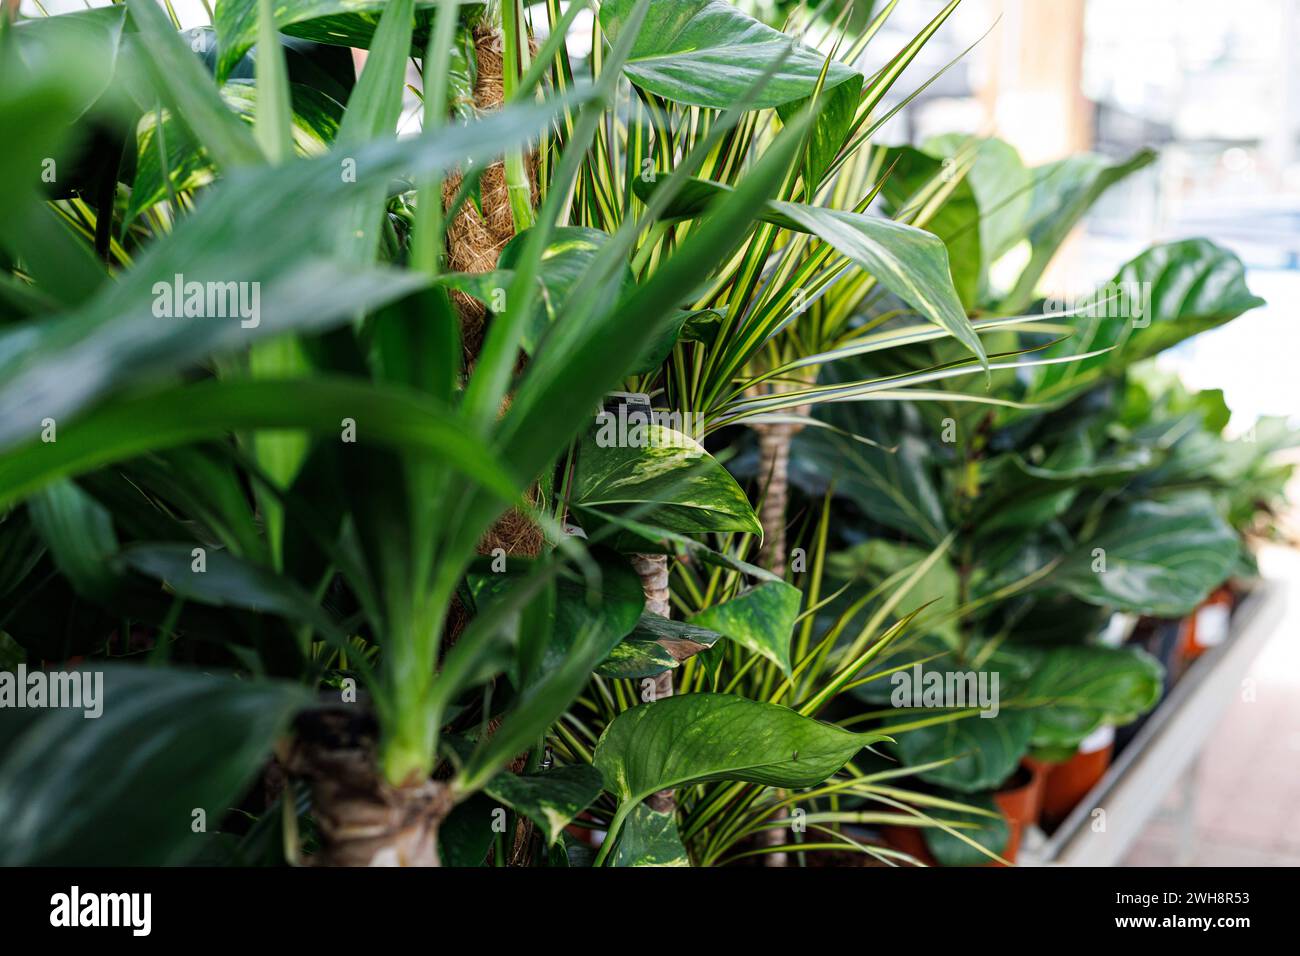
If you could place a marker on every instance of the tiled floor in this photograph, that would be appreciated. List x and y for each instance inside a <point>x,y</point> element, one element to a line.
<point>1246,786</point>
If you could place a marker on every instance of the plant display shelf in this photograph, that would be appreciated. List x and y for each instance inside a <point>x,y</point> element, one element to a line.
<point>1166,746</point>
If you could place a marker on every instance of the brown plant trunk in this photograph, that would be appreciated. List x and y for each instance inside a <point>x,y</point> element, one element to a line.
<point>774,440</point>
<point>476,236</point>
<point>774,470</point>
<point>653,571</point>
<point>363,820</point>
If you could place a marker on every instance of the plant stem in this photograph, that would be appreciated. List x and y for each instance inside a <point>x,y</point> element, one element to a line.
<point>515,61</point>
<point>615,825</point>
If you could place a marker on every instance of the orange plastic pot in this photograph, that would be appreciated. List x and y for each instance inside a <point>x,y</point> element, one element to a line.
<point>1069,782</point>
<point>1020,801</point>
<point>1207,626</point>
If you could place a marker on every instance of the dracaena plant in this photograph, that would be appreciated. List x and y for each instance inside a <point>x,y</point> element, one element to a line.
<point>304,490</point>
<point>746,648</point>
<point>299,491</point>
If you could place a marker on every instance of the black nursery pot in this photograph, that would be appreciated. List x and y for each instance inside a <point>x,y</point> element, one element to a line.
<point>1161,641</point>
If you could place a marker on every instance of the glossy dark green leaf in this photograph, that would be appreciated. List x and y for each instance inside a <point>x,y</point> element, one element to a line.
<point>219,579</point>
<point>79,533</point>
<point>896,487</point>
<point>466,835</point>
<point>659,476</point>
<point>349,23</point>
<point>909,262</point>
<point>1165,295</point>
<point>760,619</point>
<point>125,787</point>
<point>699,737</point>
<point>1152,557</point>
<point>987,750</point>
<point>656,644</point>
<point>187,89</point>
<point>708,53</point>
<point>1074,690</point>
<point>650,838</point>
<point>552,798</point>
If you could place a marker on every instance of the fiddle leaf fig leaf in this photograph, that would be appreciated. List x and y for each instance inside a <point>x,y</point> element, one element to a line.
<point>1153,557</point>
<point>1072,691</point>
<point>987,750</point>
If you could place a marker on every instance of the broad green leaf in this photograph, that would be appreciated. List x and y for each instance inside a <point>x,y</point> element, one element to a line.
<point>660,476</point>
<point>956,222</point>
<point>465,837</point>
<point>188,90</point>
<point>987,750</point>
<point>223,580</point>
<point>552,798</point>
<point>656,644</point>
<point>1003,190</point>
<point>1071,691</point>
<point>1179,289</point>
<point>989,829</point>
<point>180,416</point>
<point>1152,557</point>
<point>125,786</point>
<point>79,533</point>
<point>650,838</point>
<point>708,53</point>
<point>96,35</point>
<point>909,262</point>
<point>350,23</point>
<point>760,619</point>
<point>314,127</point>
<point>1063,193</point>
<point>893,486</point>
<point>610,615</point>
<point>695,738</point>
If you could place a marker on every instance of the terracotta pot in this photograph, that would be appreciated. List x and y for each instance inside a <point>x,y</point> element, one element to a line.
<point>909,840</point>
<point>1207,626</point>
<point>1020,800</point>
<point>1069,782</point>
